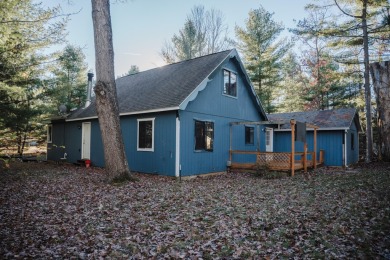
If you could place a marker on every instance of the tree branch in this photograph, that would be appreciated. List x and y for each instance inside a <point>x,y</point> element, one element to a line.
<point>350,15</point>
<point>39,20</point>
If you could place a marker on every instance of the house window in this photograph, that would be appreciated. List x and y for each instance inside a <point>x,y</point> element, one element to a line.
<point>249,134</point>
<point>49,133</point>
<point>229,83</point>
<point>352,141</point>
<point>145,139</point>
<point>204,135</point>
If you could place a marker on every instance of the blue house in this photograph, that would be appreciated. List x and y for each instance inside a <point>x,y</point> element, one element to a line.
<point>174,119</point>
<point>337,135</point>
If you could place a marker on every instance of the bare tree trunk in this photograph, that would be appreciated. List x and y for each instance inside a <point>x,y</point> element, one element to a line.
<point>23,143</point>
<point>380,73</point>
<point>367,89</point>
<point>106,98</point>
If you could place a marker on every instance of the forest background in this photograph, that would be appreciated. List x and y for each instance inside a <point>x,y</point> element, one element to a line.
<point>324,65</point>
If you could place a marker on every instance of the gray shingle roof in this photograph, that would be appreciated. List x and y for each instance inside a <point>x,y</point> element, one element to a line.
<point>160,88</point>
<point>336,118</point>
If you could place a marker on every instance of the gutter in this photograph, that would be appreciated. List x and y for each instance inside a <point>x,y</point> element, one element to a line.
<point>319,129</point>
<point>127,113</point>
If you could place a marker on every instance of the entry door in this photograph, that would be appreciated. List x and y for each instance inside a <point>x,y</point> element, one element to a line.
<point>269,140</point>
<point>86,141</point>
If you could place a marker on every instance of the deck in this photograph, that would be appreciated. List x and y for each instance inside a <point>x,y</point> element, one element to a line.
<point>280,161</point>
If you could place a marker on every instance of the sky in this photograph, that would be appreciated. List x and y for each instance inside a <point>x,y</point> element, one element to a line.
<point>141,27</point>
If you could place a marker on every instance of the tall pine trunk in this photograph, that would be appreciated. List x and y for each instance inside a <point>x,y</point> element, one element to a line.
<point>106,98</point>
<point>367,89</point>
<point>380,73</point>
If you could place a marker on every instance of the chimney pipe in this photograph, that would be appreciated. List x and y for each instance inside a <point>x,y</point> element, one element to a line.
<point>89,89</point>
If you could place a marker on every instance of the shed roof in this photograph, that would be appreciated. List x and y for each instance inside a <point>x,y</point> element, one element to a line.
<point>165,88</point>
<point>325,119</point>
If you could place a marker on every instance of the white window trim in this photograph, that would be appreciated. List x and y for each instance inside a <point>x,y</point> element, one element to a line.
<point>49,128</point>
<point>145,149</point>
<point>223,84</point>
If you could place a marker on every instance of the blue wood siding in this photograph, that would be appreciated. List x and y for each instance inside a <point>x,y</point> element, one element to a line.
<point>329,141</point>
<point>66,139</point>
<point>352,154</point>
<point>97,152</point>
<point>73,141</point>
<point>56,148</point>
<point>238,143</point>
<point>212,105</point>
<point>162,159</point>
<point>212,101</point>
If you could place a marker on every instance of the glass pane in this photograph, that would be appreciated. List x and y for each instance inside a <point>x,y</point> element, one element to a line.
<point>267,137</point>
<point>226,82</point>
<point>145,134</point>
<point>209,136</point>
<point>249,135</point>
<point>199,135</point>
<point>233,84</point>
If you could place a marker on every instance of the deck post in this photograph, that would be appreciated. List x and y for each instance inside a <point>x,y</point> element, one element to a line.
<point>315,148</point>
<point>292,123</point>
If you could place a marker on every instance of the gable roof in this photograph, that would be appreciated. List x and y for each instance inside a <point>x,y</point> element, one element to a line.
<point>166,88</point>
<point>336,119</point>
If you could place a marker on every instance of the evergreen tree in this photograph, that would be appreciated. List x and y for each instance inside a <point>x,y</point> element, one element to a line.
<point>332,84</point>
<point>134,69</point>
<point>185,43</point>
<point>294,82</point>
<point>361,30</point>
<point>263,53</point>
<point>68,84</point>
<point>25,30</point>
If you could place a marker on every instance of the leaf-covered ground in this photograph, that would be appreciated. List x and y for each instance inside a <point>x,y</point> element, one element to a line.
<point>57,211</point>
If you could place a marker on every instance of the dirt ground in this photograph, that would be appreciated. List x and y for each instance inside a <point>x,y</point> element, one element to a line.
<point>63,211</point>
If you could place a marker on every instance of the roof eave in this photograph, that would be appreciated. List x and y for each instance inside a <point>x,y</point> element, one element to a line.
<point>318,129</point>
<point>129,113</point>
<point>201,86</point>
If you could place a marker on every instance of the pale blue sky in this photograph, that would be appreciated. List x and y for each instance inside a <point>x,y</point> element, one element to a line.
<point>140,27</point>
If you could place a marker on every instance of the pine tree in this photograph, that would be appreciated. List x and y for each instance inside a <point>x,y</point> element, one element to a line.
<point>68,84</point>
<point>26,29</point>
<point>361,31</point>
<point>293,84</point>
<point>263,53</point>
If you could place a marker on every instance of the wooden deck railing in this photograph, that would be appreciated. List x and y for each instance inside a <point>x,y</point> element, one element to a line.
<point>276,160</point>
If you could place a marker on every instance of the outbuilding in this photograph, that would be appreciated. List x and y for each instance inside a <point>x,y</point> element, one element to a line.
<point>337,134</point>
